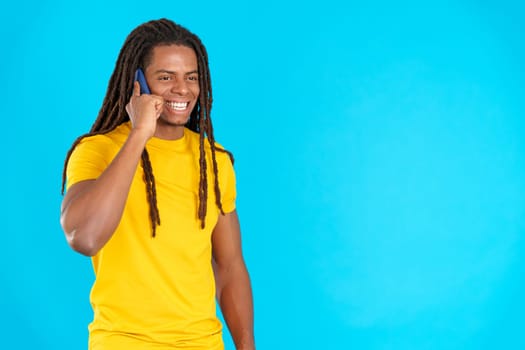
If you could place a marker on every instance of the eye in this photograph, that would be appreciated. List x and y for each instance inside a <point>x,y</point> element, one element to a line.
<point>193,77</point>
<point>164,77</point>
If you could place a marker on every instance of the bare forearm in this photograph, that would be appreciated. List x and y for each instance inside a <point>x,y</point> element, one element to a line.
<point>91,216</point>
<point>236,302</point>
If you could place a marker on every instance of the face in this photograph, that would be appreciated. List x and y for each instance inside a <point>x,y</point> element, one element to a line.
<point>173,75</point>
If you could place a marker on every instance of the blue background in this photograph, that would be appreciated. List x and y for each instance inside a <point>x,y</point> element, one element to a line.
<point>380,156</point>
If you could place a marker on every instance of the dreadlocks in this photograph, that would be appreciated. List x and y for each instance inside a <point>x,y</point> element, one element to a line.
<point>136,53</point>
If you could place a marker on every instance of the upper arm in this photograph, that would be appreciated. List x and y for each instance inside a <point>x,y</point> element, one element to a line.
<point>74,191</point>
<point>70,196</point>
<point>226,240</point>
<point>88,160</point>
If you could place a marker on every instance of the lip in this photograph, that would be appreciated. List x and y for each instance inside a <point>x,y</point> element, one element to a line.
<point>177,101</point>
<point>177,106</point>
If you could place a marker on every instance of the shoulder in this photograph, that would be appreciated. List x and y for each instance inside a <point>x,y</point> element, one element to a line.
<point>101,146</point>
<point>111,139</point>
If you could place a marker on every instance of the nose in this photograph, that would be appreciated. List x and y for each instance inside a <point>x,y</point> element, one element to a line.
<point>179,86</point>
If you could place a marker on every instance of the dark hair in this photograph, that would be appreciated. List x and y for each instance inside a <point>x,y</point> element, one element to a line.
<point>137,52</point>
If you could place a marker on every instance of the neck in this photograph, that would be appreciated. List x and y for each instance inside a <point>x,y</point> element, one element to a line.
<point>169,131</point>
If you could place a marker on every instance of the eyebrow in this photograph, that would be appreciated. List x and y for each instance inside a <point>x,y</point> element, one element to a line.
<point>173,72</point>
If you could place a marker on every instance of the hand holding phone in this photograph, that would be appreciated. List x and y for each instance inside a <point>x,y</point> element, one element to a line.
<point>144,108</point>
<point>139,76</point>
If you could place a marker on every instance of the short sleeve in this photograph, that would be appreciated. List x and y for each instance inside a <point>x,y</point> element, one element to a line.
<point>227,184</point>
<point>89,159</point>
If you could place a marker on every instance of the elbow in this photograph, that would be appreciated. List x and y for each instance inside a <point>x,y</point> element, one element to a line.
<point>82,246</point>
<point>79,240</point>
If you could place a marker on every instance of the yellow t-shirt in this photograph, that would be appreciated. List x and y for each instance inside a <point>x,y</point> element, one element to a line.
<point>157,292</point>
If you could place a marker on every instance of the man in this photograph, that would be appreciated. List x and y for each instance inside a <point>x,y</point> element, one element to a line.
<point>163,246</point>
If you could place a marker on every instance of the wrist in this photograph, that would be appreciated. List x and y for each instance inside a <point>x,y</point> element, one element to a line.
<point>139,135</point>
<point>246,345</point>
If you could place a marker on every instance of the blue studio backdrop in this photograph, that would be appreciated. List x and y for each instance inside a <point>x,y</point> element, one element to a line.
<point>380,159</point>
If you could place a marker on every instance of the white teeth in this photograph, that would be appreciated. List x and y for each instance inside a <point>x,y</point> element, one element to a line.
<point>178,106</point>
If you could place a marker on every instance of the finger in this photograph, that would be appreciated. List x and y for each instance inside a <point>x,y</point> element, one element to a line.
<point>158,99</point>
<point>136,89</point>
<point>159,103</point>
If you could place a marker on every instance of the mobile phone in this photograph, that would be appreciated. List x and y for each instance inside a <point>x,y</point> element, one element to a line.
<point>139,76</point>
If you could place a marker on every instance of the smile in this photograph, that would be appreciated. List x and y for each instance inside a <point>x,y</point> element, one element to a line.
<point>178,106</point>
